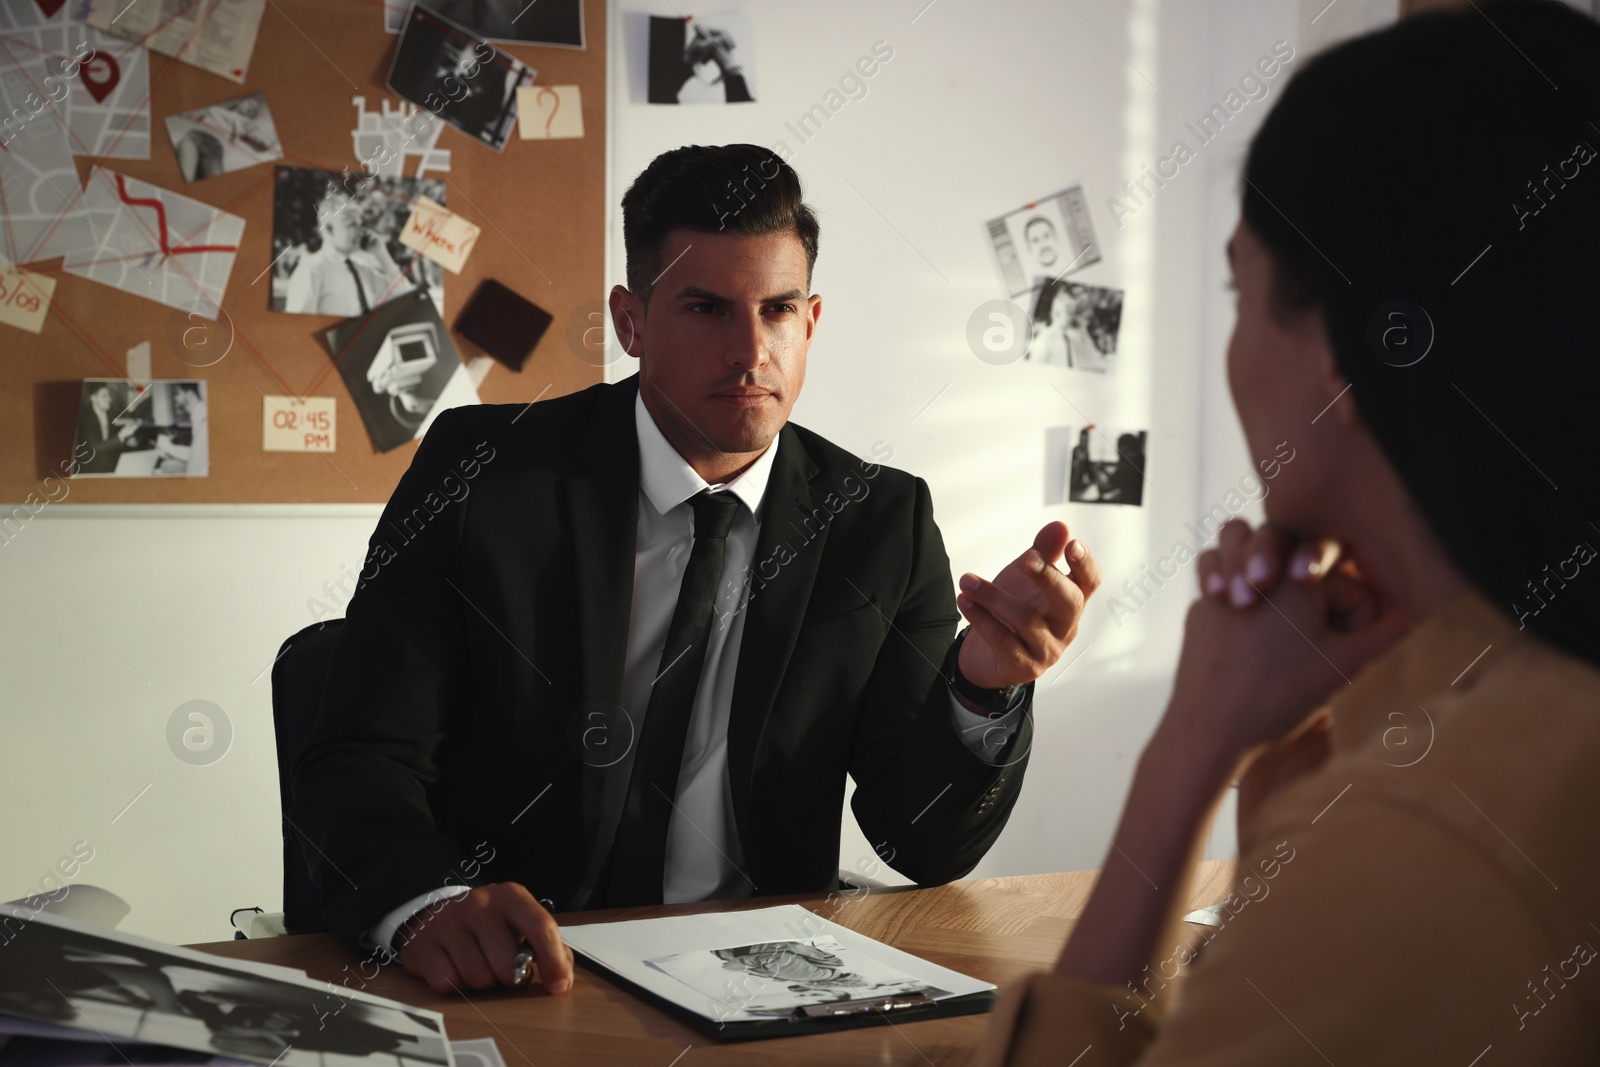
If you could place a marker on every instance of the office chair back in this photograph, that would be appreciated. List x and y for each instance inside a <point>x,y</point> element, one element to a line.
<point>298,675</point>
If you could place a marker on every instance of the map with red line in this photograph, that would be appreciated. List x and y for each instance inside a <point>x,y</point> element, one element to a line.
<point>156,243</point>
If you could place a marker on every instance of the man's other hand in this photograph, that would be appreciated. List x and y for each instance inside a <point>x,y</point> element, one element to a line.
<point>1024,619</point>
<point>472,941</point>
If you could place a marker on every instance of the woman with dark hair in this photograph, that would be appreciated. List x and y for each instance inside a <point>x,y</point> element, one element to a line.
<point>1402,663</point>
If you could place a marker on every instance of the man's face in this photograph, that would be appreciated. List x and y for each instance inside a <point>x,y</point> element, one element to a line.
<point>1042,241</point>
<point>340,225</point>
<point>722,345</point>
<point>101,399</point>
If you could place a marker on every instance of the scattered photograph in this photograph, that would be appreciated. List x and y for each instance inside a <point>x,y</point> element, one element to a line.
<point>1107,467</point>
<point>401,368</point>
<point>1076,326</point>
<point>224,137</point>
<point>1044,240</point>
<point>503,323</point>
<point>548,22</point>
<point>700,60</point>
<point>336,242</point>
<point>458,76</point>
<point>142,430</point>
<point>110,985</point>
<point>774,978</point>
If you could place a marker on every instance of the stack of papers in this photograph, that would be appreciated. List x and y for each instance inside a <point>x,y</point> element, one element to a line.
<point>74,994</point>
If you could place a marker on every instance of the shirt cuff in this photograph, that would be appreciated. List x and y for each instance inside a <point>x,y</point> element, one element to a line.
<point>381,936</point>
<point>987,737</point>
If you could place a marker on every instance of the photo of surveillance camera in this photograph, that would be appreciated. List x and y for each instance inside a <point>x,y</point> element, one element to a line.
<point>401,368</point>
<point>403,361</point>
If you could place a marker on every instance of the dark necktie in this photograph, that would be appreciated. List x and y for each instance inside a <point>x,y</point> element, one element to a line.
<point>638,859</point>
<point>361,293</point>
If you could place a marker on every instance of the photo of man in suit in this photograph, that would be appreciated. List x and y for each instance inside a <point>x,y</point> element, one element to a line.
<point>102,428</point>
<point>635,638</point>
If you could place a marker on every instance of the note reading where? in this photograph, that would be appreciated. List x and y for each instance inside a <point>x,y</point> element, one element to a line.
<point>439,234</point>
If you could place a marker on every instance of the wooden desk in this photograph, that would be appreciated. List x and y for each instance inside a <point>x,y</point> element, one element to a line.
<point>994,928</point>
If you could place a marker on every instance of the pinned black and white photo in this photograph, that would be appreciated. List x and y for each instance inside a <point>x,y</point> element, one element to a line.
<point>103,986</point>
<point>1107,466</point>
<point>336,241</point>
<point>1076,326</point>
<point>401,368</point>
<point>557,23</point>
<point>457,75</point>
<point>775,978</point>
<point>224,137</point>
<point>701,59</point>
<point>142,430</point>
<point>1045,240</point>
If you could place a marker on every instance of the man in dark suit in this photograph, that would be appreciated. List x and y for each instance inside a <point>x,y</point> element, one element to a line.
<point>623,646</point>
<point>99,430</point>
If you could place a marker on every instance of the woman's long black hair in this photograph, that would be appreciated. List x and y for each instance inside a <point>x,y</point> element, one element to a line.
<point>1436,188</point>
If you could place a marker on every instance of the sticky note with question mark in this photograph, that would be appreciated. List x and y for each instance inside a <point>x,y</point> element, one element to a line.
<point>549,112</point>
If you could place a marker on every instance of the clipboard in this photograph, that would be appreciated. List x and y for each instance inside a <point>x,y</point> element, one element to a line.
<point>813,1019</point>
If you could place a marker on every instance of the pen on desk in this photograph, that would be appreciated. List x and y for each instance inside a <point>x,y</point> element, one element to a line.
<point>522,968</point>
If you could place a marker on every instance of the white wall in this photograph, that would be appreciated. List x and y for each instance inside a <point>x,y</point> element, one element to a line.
<point>117,617</point>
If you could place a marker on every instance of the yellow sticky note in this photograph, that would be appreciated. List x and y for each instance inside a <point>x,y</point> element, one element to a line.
<point>292,425</point>
<point>549,112</point>
<point>439,234</point>
<point>25,298</point>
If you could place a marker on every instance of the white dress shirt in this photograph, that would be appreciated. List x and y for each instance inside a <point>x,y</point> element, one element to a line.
<point>322,283</point>
<point>704,858</point>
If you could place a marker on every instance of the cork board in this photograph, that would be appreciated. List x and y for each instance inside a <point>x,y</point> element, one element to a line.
<point>540,203</point>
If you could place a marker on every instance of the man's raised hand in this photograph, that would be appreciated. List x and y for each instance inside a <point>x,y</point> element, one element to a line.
<point>1024,619</point>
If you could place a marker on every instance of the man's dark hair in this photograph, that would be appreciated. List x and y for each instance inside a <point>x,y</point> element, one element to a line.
<point>738,188</point>
<point>1449,163</point>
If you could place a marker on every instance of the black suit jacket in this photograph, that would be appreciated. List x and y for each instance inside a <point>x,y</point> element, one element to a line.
<point>106,448</point>
<point>492,620</point>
